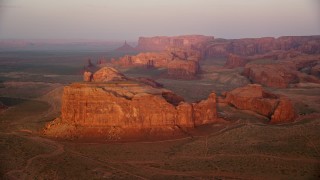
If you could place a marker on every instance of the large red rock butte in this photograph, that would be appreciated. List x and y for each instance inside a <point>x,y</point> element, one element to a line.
<point>252,97</point>
<point>127,108</point>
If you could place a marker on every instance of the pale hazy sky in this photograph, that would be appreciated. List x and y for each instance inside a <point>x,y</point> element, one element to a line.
<point>129,19</point>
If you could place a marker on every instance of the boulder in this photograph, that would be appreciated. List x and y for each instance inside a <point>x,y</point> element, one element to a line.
<point>284,112</point>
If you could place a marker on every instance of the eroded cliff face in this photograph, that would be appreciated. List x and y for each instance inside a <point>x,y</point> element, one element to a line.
<point>183,69</point>
<point>253,46</point>
<point>283,73</point>
<point>160,43</point>
<point>181,63</point>
<point>252,97</point>
<point>126,106</point>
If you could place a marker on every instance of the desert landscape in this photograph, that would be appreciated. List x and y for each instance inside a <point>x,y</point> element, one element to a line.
<point>186,106</point>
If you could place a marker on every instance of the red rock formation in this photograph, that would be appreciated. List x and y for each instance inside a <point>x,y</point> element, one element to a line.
<point>205,111</point>
<point>160,43</point>
<point>234,61</point>
<point>181,63</point>
<point>253,46</point>
<point>283,73</point>
<point>143,59</point>
<point>149,82</point>
<point>126,106</point>
<point>129,107</point>
<point>183,69</point>
<point>272,75</point>
<point>87,76</point>
<point>107,74</point>
<point>254,98</point>
<point>284,112</point>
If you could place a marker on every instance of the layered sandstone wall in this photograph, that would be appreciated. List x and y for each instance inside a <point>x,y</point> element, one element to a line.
<point>183,69</point>
<point>283,73</point>
<point>117,106</point>
<point>253,46</point>
<point>160,43</point>
<point>181,63</point>
<point>140,107</point>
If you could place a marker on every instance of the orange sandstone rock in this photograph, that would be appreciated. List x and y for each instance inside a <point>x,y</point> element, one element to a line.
<point>87,76</point>
<point>254,98</point>
<point>284,112</point>
<point>106,74</point>
<point>126,105</point>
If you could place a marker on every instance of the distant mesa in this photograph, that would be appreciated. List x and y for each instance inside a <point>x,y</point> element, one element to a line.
<point>116,107</point>
<point>182,63</point>
<point>126,48</point>
<point>254,46</point>
<point>279,109</point>
<point>161,43</point>
<point>283,73</point>
<point>212,47</point>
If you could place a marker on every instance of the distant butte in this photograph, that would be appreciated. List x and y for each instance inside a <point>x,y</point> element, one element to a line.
<point>126,48</point>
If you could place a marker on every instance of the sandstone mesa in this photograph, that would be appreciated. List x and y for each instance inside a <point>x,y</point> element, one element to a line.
<point>113,105</point>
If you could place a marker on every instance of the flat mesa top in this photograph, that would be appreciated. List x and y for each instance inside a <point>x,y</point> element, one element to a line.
<point>122,88</point>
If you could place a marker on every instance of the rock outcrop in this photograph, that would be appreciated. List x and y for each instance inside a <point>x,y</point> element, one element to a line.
<point>283,73</point>
<point>126,48</point>
<point>107,74</point>
<point>235,61</point>
<point>284,112</point>
<point>272,75</point>
<point>160,43</point>
<point>127,106</point>
<point>87,76</point>
<point>254,46</point>
<point>181,63</point>
<point>183,69</point>
<point>254,98</point>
